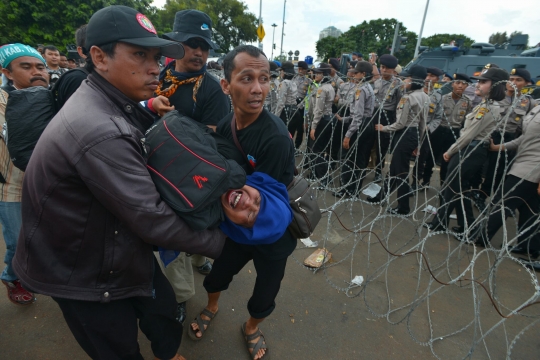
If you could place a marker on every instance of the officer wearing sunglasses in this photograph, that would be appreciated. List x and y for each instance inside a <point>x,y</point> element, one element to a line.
<point>185,86</point>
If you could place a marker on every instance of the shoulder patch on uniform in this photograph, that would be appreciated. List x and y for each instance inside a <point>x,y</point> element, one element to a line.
<point>358,92</point>
<point>402,103</point>
<point>524,101</point>
<point>319,92</point>
<point>481,113</point>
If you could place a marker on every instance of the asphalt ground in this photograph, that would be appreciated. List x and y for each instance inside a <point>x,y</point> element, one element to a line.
<point>401,312</point>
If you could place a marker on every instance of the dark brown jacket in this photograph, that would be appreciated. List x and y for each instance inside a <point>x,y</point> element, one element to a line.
<point>90,210</point>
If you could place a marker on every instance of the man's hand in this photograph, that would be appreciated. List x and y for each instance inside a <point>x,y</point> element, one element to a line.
<point>346,143</point>
<point>379,127</point>
<point>415,152</point>
<point>493,147</point>
<point>339,117</point>
<point>162,105</point>
<point>446,157</point>
<point>312,134</point>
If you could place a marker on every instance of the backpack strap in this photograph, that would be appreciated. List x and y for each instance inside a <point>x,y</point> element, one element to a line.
<point>235,138</point>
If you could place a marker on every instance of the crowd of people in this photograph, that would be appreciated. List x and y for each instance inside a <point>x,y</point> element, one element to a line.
<point>84,221</point>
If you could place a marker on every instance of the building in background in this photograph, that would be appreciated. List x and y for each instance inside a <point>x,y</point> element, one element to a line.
<point>330,31</point>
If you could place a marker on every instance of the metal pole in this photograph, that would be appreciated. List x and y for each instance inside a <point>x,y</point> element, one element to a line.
<point>282,28</point>
<point>273,36</point>
<point>396,33</point>
<point>260,22</point>
<point>421,29</point>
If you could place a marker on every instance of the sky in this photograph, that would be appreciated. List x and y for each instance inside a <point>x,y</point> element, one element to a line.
<point>305,19</point>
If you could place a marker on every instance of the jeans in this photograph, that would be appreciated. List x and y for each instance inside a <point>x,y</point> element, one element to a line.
<point>11,220</point>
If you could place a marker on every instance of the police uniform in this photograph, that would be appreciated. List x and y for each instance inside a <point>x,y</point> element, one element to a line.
<point>408,130</point>
<point>360,131</point>
<point>296,125</point>
<point>387,96</point>
<point>322,124</point>
<point>513,109</point>
<point>467,155</point>
<point>270,103</point>
<point>286,100</point>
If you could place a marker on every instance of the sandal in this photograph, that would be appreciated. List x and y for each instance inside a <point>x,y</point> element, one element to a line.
<point>201,323</point>
<point>253,348</point>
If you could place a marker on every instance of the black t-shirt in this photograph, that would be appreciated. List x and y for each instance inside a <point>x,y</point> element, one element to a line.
<point>68,84</point>
<point>268,145</point>
<point>211,106</point>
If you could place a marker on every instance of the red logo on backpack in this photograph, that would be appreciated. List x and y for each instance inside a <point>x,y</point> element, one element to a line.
<point>199,180</point>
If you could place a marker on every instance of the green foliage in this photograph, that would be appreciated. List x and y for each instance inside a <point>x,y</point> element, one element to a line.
<point>437,40</point>
<point>373,36</point>
<point>498,38</point>
<point>35,22</point>
<point>232,24</point>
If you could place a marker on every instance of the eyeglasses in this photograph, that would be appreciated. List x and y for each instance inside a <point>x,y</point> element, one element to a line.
<point>196,43</point>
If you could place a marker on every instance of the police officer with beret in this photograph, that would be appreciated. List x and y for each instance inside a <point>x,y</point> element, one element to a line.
<point>322,124</point>
<point>287,93</point>
<point>423,168</point>
<point>408,129</point>
<point>469,152</point>
<point>513,108</point>
<point>296,125</point>
<point>456,106</point>
<point>388,93</point>
<point>359,136</point>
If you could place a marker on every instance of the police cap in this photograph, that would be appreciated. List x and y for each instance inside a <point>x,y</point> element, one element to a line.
<point>334,63</point>
<point>462,77</point>
<point>323,68</point>
<point>522,73</point>
<point>273,66</point>
<point>302,65</point>
<point>363,67</point>
<point>417,72</point>
<point>434,71</point>
<point>288,67</point>
<point>389,61</point>
<point>494,74</point>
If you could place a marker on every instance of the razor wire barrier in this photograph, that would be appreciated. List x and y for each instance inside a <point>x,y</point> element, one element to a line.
<point>475,301</point>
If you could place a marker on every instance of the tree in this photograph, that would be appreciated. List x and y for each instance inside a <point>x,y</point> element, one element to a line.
<point>35,22</point>
<point>498,38</point>
<point>232,24</point>
<point>373,36</point>
<point>437,40</point>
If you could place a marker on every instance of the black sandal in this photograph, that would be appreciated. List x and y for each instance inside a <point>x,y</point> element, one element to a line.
<point>253,348</point>
<point>201,323</point>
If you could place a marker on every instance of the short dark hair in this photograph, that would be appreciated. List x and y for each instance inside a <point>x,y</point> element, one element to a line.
<point>228,61</point>
<point>498,92</point>
<point>80,36</point>
<point>109,49</point>
<point>50,47</point>
<point>62,54</point>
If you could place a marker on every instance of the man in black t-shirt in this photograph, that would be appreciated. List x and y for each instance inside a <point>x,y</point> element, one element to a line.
<point>187,87</point>
<point>267,144</point>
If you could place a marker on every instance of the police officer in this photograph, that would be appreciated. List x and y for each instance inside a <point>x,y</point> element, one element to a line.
<point>359,137</point>
<point>388,93</point>
<point>287,93</point>
<point>456,106</point>
<point>469,152</point>
<point>408,130</point>
<point>322,124</point>
<point>423,168</point>
<point>270,103</point>
<point>513,108</point>
<point>296,125</point>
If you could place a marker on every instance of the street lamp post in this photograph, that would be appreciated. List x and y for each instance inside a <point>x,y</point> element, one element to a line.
<point>421,30</point>
<point>273,44</point>
<point>260,22</point>
<point>282,28</point>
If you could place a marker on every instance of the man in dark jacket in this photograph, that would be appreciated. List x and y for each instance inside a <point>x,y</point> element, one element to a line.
<point>91,213</point>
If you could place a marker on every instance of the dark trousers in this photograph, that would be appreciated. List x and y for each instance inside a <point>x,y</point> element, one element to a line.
<point>429,152</point>
<point>355,163</point>
<point>296,126</point>
<point>382,139</point>
<point>321,147</point>
<point>269,275</point>
<point>448,136</point>
<point>497,164</point>
<point>461,170</point>
<point>287,114</point>
<point>524,197</point>
<point>109,330</point>
<point>404,143</point>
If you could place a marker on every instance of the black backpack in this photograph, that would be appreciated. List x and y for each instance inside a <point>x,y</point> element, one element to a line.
<point>188,171</point>
<point>28,112</point>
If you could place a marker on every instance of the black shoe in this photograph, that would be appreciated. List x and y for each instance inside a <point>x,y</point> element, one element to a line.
<point>458,229</point>
<point>181,313</point>
<point>433,227</point>
<point>378,178</point>
<point>397,211</point>
<point>205,268</point>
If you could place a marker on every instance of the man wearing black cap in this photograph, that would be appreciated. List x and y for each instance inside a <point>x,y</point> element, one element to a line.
<point>423,167</point>
<point>456,106</point>
<point>508,128</point>
<point>187,87</point>
<point>296,125</point>
<point>408,130</point>
<point>388,93</point>
<point>89,245</point>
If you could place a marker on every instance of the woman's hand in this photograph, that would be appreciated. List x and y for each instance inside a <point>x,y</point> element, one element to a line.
<point>446,157</point>
<point>379,127</point>
<point>346,141</point>
<point>312,134</point>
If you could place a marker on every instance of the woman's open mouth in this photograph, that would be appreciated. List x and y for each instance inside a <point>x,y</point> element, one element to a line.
<point>234,198</point>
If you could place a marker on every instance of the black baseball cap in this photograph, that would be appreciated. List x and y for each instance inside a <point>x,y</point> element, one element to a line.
<point>417,72</point>
<point>323,68</point>
<point>363,66</point>
<point>191,24</point>
<point>494,74</point>
<point>122,23</point>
